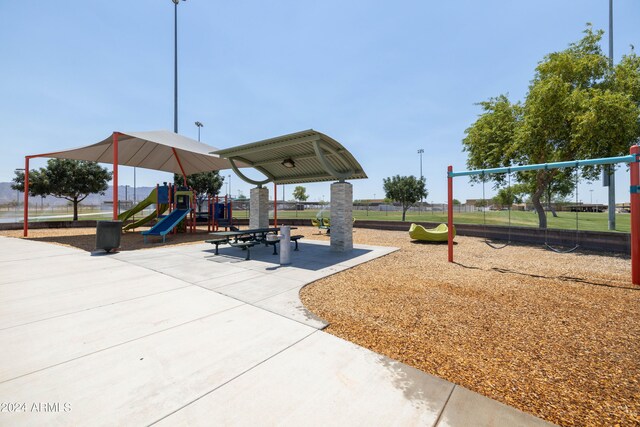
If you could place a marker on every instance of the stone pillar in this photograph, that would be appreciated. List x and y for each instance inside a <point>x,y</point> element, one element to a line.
<point>259,208</point>
<point>341,217</point>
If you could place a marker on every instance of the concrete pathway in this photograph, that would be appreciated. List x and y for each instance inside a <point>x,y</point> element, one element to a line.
<point>179,336</point>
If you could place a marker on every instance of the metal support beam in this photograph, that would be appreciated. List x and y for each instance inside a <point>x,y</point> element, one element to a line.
<point>556,165</point>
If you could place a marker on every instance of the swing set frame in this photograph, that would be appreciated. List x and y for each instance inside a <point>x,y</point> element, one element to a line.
<point>633,159</point>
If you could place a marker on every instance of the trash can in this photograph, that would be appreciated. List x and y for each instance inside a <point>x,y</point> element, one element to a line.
<point>285,245</point>
<point>108,235</point>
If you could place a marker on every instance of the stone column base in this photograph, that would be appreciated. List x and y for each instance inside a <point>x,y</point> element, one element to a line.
<point>259,208</point>
<point>341,217</point>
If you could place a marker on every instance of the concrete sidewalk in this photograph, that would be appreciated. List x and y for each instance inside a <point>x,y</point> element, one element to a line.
<point>179,336</point>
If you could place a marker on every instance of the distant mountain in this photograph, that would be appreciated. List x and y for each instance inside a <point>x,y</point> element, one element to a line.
<point>7,195</point>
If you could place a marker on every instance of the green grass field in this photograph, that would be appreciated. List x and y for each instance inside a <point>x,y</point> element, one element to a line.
<point>565,220</point>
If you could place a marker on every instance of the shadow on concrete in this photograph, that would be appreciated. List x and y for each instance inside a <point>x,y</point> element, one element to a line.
<point>308,256</point>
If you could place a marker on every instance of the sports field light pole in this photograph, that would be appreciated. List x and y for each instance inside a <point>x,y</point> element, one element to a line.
<point>420,152</point>
<point>175,65</point>
<point>199,124</point>
<point>609,171</point>
<point>633,159</point>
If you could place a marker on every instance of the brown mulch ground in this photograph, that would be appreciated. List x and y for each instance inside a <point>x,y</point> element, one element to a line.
<point>555,335</point>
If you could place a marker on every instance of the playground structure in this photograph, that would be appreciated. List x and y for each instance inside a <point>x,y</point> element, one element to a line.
<point>180,204</point>
<point>183,207</point>
<point>160,196</point>
<point>632,159</point>
<point>219,213</point>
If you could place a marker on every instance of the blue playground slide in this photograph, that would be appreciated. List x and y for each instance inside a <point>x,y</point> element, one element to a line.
<point>166,224</point>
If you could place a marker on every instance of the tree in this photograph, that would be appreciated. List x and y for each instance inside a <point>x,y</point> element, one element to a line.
<point>205,184</point>
<point>507,196</point>
<point>456,202</point>
<point>578,106</point>
<point>72,180</point>
<point>406,190</point>
<point>300,193</point>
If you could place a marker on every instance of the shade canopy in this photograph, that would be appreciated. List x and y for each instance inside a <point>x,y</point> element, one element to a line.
<point>160,150</point>
<point>307,156</point>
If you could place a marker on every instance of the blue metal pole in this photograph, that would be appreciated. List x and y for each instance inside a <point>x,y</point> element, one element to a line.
<point>555,165</point>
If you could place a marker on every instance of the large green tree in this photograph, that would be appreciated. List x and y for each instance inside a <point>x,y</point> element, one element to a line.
<point>205,184</point>
<point>72,180</point>
<point>406,190</point>
<point>300,193</point>
<point>578,106</point>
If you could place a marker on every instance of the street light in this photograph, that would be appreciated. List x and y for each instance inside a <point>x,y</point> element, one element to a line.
<point>175,66</point>
<point>229,176</point>
<point>199,126</point>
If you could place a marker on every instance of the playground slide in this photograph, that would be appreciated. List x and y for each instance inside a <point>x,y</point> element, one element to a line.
<point>161,209</point>
<point>151,199</point>
<point>166,224</point>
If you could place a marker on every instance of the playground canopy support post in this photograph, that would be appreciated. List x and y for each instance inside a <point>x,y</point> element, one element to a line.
<point>633,158</point>
<point>115,176</point>
<point>26,196</point>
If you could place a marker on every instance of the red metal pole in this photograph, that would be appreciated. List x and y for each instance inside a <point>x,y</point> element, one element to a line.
<point>184,175</point>
<point>157,201</point>
<point>115,176</point>
<point>230,210</point>
<point>25,229</point>
<point>193,211</point>
<point>450,211</point>
<point>635,217</point>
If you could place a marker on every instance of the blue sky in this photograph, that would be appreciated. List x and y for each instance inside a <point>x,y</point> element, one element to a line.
<point>382,78</point>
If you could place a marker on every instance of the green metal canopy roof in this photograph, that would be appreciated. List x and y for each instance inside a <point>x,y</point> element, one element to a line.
<point>300,157</point>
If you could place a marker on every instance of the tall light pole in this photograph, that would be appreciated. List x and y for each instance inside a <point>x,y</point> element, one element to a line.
<point>229,176</point>
<point>420,152</point>
<point>610,170</point>
<point>199,124</point>
<point>175,65</point>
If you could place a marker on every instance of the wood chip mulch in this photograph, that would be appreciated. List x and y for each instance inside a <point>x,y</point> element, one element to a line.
<point>555,335</point>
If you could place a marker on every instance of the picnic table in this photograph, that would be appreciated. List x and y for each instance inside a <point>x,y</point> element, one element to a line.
<point>252,233</point>
<point>246,239</point>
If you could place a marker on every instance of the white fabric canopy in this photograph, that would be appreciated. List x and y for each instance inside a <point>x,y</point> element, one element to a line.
<point>160,150</point>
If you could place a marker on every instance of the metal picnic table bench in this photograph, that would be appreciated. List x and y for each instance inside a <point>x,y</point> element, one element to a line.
<point>246,239</point>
